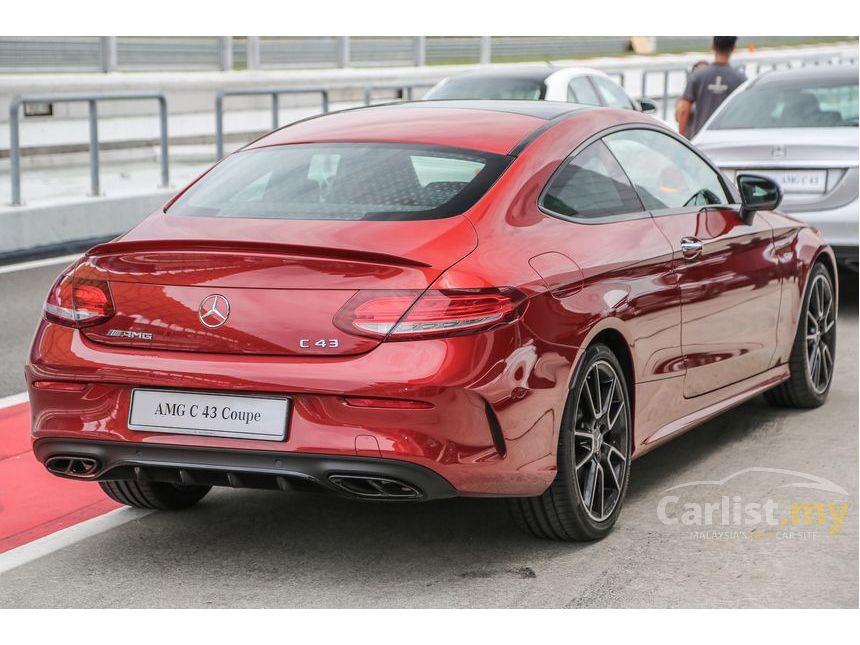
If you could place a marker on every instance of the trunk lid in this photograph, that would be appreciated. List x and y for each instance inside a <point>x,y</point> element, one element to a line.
<point>780,147</point>
<point>823,159</point>
<point>270,287</point>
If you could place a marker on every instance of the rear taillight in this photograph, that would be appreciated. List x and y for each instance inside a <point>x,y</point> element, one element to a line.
<point>435,313</point>
<point>79,302</point>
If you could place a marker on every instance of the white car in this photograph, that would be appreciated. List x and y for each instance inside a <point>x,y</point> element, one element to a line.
<point>799,127</point>
<point>538,83</point>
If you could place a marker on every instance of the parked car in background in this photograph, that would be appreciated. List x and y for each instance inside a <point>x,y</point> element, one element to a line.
<point>539,83</point>
<point>798,127</point>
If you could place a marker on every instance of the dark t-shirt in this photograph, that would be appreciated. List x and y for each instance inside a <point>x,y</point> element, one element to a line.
<point>706,89</point>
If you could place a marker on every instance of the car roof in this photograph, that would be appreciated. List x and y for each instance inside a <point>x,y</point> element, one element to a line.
<point>545,110</point>
<point>489,126</point>
<point>813,76</point>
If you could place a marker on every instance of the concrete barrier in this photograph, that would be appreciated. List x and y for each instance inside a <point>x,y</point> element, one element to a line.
<point>30,230</point>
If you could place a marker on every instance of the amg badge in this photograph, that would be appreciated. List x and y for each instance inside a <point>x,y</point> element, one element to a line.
<point>124,333</point>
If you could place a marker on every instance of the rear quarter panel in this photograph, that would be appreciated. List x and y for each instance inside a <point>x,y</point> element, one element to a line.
<point>621,279</point>
<point>798,247</point>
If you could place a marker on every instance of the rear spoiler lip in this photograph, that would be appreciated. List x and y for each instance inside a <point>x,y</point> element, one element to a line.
<point>267,248</point>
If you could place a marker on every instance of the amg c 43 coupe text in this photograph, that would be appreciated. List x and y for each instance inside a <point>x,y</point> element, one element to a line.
<point>432,299</point>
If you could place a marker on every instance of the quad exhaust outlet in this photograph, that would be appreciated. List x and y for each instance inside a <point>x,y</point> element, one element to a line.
<point>374,487</point>
<point>69,466</point>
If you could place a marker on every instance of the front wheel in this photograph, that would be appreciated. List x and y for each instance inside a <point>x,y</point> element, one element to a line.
<point>585,499</point>
<point>814,351</point>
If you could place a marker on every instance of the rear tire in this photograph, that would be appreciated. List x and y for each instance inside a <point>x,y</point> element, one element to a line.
<point>154,495</point>
<point>593,457</point>
<point>813,353</point>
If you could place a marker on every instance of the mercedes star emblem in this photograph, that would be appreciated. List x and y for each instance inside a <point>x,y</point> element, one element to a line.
<point>214,310</point>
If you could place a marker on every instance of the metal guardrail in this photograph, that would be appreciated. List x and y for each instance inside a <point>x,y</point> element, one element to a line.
<point>404,87</point>
<point>666,73</point>
<point>274,93</point>
<point>782,62</point>
<point>92,100</point>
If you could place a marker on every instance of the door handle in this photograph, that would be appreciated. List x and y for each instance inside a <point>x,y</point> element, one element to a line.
<point>691,247</point>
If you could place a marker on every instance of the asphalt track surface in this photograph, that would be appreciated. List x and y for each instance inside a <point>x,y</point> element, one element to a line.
<point>267,549</point>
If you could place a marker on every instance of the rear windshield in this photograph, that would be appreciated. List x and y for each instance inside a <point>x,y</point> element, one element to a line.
<point>825,106</point>
<point>343,181</point>
<point>521,89</point>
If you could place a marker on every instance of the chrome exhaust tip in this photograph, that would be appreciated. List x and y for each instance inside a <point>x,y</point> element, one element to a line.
<point>70,466</point>
<point>374,487</point>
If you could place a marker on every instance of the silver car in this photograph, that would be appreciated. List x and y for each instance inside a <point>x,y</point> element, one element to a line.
<point>538,83</point>
<point>798,127</point>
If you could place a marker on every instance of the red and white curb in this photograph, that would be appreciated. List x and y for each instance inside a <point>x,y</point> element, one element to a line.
<point>15,399</point>
<point>41,513</point>
<point>38,264</point>
<point>67,537</point>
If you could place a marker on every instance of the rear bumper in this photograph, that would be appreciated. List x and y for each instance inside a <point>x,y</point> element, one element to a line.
<point>116,460</point>
<point>491,429</point>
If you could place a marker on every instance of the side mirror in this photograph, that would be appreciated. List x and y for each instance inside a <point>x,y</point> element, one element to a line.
<point>647,106</point>
<point>758,194</point>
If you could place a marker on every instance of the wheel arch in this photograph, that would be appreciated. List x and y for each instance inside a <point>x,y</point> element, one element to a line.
<point>611,332</point>
<point>823,255</point>
<point>826,257</point>
<point>617,342</point>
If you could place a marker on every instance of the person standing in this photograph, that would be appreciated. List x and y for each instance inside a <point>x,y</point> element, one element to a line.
<point>700,64</point>
<point>708,87</point>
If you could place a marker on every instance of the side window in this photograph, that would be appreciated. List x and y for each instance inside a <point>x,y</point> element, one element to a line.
<point>580,90</point>
<point>665,172</point>
<point>612,94</point>
<point>591,185</point>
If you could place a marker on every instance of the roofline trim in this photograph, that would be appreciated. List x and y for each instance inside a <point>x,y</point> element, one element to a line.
<point>514,152</point>
<point>524,143</point>
<point>311,118</point>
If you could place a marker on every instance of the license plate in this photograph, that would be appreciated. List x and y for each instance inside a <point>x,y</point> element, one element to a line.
<point>212,415</point>
<point>799,181</point>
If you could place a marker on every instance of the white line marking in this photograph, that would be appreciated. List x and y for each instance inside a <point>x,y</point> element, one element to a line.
<point>36,264</point>
<point>15,399</point>
<point>67,537</point>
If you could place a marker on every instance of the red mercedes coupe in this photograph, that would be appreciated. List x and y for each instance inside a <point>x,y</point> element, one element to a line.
<point>431,299</point>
